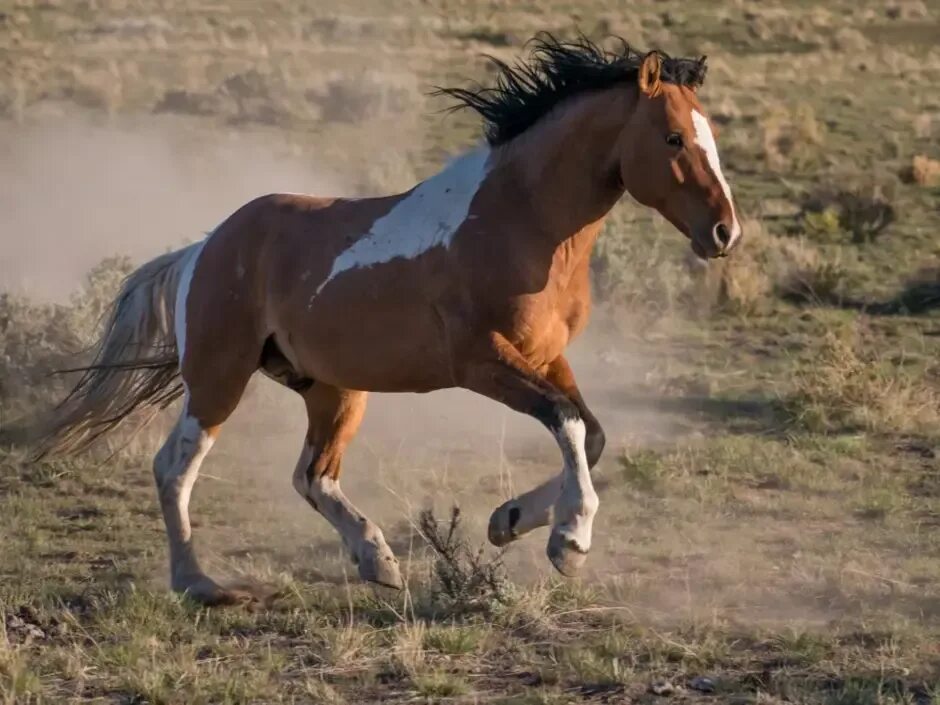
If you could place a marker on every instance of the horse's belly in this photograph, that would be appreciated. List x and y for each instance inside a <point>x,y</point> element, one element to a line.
<point>373,346</point>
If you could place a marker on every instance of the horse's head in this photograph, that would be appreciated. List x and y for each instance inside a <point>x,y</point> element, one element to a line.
<point>669,161</point>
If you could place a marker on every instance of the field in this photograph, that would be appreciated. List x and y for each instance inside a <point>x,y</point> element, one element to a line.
<point>769,528</point>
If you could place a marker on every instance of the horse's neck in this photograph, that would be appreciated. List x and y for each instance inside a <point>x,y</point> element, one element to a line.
<point>562,172</point>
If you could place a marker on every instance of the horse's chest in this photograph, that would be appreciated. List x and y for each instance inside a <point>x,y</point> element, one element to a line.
<point>542,326</point>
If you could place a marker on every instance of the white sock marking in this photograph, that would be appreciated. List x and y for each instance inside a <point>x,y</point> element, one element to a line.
<point>578,502</point>
<point>705,139</point>
<point>176,467</point>
<point>328,499</point>
<point>427,217</point>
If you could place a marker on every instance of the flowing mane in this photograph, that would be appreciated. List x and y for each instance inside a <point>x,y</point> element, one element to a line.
<point>557,70</point>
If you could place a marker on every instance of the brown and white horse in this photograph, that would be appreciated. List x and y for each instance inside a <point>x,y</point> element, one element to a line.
<point>476,278</point>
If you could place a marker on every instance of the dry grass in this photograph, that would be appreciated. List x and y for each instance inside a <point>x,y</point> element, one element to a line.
<point>848,387</point>
<point>923,171</point>
<point>792,137</point>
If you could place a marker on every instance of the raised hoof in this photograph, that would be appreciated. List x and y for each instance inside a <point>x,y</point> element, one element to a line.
<point>565,554</point>
<point>503,521</point>
<point>248,594</point>
<point>379,565</point>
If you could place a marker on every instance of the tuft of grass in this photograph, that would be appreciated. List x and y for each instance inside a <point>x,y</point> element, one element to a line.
<point>922,171</point>
<point>767,265</point>
<point>438,683</point>
<point>878,503</point>
<point>641,469</point>
<point>319,691</point>
<point>408,654</point>
<point>345,643</point>
<point>591,667</point>
<point>455,640</point>
<point>791,136</point>
<point>798,647</point>
<point>18,682</point>
<point>817,281</point>
<point>864,209</point>
<point>822,225</point>
<point>849,387</point>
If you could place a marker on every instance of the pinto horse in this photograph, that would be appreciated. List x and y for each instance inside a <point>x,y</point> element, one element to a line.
<point>475,278</point>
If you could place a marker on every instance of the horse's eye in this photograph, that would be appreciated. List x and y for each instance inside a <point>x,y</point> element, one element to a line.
<point>674,139</point>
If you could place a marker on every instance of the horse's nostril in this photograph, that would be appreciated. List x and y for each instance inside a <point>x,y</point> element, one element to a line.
<point>722,236</point>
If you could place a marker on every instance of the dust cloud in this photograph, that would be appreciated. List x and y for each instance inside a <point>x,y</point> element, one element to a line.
<point>73,191</point>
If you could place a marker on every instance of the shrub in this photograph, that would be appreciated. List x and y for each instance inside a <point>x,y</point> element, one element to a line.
<point>658,276</point>
<point>37,339</point>
<point>848,387</point>
<point>465,581</point>
<point>792,137</point>
<point>923,171</point>
<point>863,210</point>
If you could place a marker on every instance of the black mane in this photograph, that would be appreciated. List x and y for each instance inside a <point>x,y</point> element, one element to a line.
<point>556,71</point>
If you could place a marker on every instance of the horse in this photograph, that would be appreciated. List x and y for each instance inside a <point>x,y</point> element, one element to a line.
<point>476,278</point>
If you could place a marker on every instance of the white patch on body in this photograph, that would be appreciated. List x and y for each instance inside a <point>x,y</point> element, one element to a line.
<point>427,217</point>
<point>182,294</point>
<point>577,505</point>
<point>705,139</point>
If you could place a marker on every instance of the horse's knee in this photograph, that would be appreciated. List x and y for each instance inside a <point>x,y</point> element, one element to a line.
<point>554,411</point>
<point>594,442</point>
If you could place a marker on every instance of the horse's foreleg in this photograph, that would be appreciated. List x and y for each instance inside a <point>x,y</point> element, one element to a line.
<point>334,416</point>
<point>533,509</point>
<point>501,373</point>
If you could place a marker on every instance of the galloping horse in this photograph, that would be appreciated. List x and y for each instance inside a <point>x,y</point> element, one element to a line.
<point>475,278</point>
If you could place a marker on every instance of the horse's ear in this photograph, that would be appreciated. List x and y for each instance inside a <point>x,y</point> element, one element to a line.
<point>648,76</point>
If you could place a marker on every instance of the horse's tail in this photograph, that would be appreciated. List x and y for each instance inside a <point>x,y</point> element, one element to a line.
<point>136,363</point>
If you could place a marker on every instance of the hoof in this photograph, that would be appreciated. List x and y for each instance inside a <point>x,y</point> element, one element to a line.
<point>503,521</point>
<point>378,565</point>
<point>250,595</point>
<point>565,554</point>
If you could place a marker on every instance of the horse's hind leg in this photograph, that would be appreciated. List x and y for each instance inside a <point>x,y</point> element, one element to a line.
<point>207,404</point>
<point>334,416</point>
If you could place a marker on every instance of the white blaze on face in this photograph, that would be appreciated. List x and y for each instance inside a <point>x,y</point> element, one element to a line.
<point>705,139</point>
<point>427,217</point>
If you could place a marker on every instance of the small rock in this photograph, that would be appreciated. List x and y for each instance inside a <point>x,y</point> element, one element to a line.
<point>848,40</point>
<point>662,688</point>
<point>702,684</point>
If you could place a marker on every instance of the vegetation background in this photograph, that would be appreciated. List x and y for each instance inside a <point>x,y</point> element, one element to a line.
<point>770,499</point>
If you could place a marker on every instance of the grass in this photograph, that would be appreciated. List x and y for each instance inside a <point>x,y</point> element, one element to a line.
<point>769,497</point>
